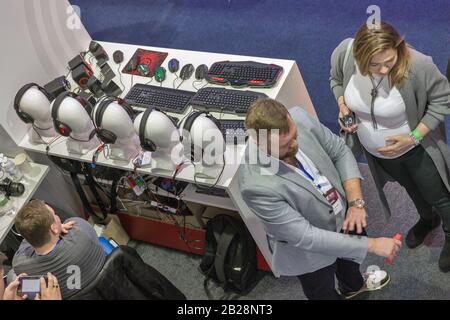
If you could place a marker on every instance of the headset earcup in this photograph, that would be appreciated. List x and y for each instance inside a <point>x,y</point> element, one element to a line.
<point>25,117</point>
<point>62,128</point>
<point>106,136</point>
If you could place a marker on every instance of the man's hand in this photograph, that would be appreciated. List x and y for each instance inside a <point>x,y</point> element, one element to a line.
<point>67,226</point>
<point>399,144</point>
<point>50,290</point>
<point>11,290</point>
<point>356,217</point>
<point>384,247</point>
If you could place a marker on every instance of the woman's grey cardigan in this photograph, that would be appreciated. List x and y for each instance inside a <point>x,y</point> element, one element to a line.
<point>426,93</point>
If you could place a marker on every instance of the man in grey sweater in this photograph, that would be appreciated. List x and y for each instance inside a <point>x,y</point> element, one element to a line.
<point>71,251</point>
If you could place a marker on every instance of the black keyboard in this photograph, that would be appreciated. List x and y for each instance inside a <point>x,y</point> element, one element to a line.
<point>166,99</point>
<point>244,73</point>
<point>234,131</point>
<point>226,100</point>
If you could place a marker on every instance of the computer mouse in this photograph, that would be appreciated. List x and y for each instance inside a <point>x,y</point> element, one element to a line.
<point>187,71</point>
<point>133,64</point>
<point>118,56</point>
<point>173,65</point>
<point>143,69</point>
<point>160,74</point>
<point>201,72</point>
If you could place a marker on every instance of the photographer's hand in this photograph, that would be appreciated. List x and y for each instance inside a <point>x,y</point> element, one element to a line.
<point>11,290</point>
<point>50,290</point>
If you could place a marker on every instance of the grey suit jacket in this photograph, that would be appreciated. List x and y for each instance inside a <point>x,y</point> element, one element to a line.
<point>302,230</point>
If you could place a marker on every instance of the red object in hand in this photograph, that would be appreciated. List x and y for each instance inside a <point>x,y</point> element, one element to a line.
<point>398,237</point>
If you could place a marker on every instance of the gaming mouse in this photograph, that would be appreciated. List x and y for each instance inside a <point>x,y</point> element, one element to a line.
<point>160,74</point>
<point>118,56</point>
<point>187,71</point>
<point>201,72</point>
<point>133,64</point>
<point>173,65</point>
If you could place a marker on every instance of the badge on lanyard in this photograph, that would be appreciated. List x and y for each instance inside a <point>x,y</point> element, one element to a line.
<point>333,199</point>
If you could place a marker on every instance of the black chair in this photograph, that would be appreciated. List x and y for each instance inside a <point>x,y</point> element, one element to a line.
<point>125,276</point>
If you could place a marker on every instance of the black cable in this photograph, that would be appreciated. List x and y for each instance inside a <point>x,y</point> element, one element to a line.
<point>217,180</point>
<point>180,83</point>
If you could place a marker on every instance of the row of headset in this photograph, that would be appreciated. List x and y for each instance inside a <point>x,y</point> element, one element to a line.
<point>104,135</point>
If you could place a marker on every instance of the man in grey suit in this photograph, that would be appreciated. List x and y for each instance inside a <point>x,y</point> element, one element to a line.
<point>304,184</point>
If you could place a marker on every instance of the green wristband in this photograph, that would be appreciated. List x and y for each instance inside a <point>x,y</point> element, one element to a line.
<point>416,135</point>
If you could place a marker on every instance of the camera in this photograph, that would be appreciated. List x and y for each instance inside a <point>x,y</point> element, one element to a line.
<point>11,189</point>
<point>348,120</point>
<point>30,285</point>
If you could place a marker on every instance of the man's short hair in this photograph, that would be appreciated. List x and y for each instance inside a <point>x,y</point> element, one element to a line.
<point>267,114</point>
<point>33,222</point>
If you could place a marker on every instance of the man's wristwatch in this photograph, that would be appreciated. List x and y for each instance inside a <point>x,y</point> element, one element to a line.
<point>358,203</point>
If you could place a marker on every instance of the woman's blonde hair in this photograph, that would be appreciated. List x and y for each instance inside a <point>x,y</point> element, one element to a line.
<point>371,41</point>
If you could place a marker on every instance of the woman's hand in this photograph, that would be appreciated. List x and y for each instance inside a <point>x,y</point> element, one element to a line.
<point>343,111</point>
<point>396,145</point>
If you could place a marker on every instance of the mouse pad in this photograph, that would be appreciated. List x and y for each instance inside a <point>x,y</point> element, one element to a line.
<point>151,59</point>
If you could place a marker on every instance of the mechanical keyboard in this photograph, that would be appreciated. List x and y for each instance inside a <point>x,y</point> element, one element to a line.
<point>165,99</point>
<point>234,131</point>
<point>244,73</point>
<point>224,100</point>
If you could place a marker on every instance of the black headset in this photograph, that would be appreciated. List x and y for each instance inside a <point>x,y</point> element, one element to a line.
<point>186,133</point>
<point>61,127</point>
<point>25,117</point>
<point>105,135</point>
<point>148,144</point>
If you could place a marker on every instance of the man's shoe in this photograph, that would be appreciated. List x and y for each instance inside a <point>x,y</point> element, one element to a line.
<point>444,258</point>
<point>419,231</point>
<point>373,280</point>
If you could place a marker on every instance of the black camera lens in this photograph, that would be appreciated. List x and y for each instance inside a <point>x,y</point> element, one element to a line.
<point>348,121</point>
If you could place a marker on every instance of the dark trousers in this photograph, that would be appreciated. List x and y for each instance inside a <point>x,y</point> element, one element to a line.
<point>416,172</point>
<point>321,284</point>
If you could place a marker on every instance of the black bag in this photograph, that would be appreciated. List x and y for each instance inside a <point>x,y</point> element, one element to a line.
<point>230,256</point>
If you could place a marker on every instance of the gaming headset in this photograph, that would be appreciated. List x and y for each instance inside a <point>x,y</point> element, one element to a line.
<point>186,133</point>
<point>105,135</point>
<point>25,117</point>
<point>62,128</point>
<point>146,143</point>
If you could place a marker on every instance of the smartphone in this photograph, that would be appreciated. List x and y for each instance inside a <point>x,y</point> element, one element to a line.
<point>29,285</point>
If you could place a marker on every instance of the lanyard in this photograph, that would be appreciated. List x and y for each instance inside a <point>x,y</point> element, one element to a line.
<point>308,175</point>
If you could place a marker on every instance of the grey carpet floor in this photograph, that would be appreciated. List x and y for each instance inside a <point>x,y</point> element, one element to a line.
<point>414,273</point>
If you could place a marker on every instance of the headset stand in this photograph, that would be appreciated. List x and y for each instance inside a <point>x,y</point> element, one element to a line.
<point>165,160</point>
<point>40,136</point>
<point>209,171</point>
<point>81,147</point>
<point>124,150</point>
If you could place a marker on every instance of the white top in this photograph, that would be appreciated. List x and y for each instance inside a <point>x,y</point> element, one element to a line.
<point>389,109</point>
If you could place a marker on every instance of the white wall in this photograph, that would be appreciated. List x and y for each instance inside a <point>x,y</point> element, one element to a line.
<point>37,39</point>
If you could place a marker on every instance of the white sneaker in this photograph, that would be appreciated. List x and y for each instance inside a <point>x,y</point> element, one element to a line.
<point>374,279</point>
